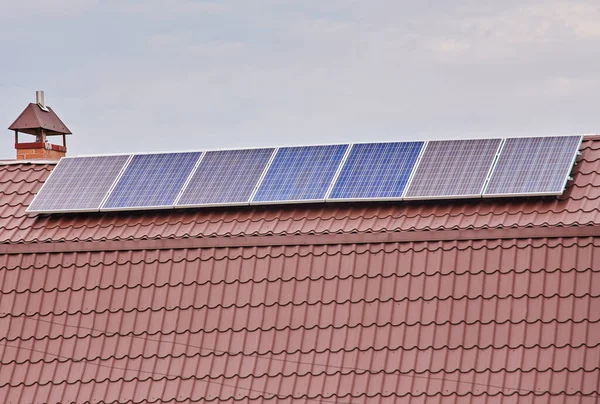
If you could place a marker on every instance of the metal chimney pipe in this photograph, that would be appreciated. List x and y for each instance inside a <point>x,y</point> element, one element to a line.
<point>39,98</point>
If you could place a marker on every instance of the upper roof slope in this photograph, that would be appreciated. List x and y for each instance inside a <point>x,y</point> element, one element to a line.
<point>579,205</point>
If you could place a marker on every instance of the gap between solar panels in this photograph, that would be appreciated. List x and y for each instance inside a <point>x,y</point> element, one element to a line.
<point>415,170</point>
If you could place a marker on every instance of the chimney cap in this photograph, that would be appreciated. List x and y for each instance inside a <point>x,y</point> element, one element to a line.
<point>39,116</point>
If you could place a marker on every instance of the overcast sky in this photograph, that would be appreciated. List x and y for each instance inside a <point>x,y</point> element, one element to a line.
<point>152,75</point>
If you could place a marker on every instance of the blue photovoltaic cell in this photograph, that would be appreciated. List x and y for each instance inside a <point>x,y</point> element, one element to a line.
<point>226,176</point>
<point>453,168</point>
<point>78,184</point>
<point>300,173</point>
<point>538,165</point>
<point>376,170</point>
<point>152,180</point>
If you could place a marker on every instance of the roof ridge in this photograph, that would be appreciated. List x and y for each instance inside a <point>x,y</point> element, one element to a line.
<point>27,162</point>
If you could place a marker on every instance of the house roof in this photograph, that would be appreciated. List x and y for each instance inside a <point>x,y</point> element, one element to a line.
<point>489,301</point>
<point>33,117</point>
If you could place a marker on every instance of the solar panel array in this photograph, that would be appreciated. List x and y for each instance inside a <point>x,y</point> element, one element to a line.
<point>300,174</point>
<point>533,166</point>
<point>376,171</point>
<point>78,184</point>
<point>226,177</point>
<point>333,173</point>
<point>152,180</point>
<point>453,168</point>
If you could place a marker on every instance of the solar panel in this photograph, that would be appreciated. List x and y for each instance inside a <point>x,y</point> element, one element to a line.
<point>78,184</point>
<point>453,168</point>
<point>376,171</point>
<point>300,174</point>
<point>152,180</point>
<point>370,171</point>
<point>226,177</point>
<point>533,166</point>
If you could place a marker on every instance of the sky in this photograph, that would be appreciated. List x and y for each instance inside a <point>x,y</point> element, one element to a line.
<point>164,75</point>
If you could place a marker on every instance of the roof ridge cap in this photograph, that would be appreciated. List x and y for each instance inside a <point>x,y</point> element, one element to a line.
<point>14,162</point>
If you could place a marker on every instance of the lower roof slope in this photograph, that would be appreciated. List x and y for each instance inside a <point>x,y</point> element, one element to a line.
<point>330,304</point>
<point>478,322</point>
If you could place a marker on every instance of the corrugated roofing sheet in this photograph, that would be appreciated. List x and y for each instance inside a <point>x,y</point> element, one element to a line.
<point>469,321</point>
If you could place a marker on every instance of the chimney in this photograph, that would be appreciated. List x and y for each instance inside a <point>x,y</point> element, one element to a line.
<point>40,121</point>
<point>39,99</point>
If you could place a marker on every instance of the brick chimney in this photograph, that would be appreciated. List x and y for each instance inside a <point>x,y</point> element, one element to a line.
<point>39,120</point>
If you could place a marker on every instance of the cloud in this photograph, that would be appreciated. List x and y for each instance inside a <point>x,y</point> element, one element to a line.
<point>449,46</point>
<point>183,43</point>
<point>164,75</point>
<point>533,22</point>
<point>44,8</point>
<point>173,7</point>
<point>582,19</point>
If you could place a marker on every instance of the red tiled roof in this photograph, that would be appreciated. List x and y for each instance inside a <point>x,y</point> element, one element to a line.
<point>461,302</point>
